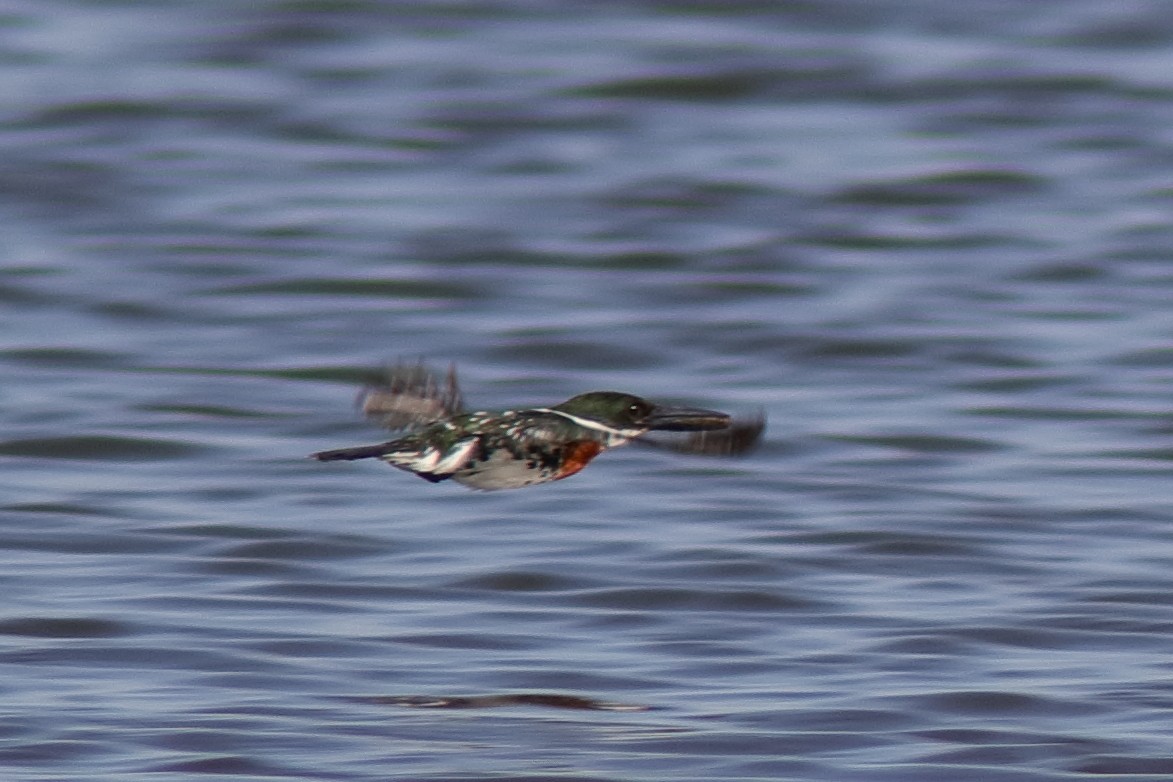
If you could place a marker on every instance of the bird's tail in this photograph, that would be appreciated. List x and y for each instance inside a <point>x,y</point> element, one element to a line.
<point>355,452</point>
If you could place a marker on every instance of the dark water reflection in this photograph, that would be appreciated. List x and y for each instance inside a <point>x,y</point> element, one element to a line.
<point>930,241</point>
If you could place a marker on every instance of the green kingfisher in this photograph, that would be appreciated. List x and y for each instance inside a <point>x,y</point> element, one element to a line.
<point>509,449</point>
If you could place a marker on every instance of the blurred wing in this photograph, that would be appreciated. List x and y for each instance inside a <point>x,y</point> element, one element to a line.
<point>410,396</point>
<point>737,439</point>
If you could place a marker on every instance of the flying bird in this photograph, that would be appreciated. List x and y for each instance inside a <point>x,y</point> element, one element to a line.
<point>509,449</point>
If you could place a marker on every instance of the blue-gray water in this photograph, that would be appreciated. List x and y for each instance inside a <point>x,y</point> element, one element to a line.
<point>932,240</point>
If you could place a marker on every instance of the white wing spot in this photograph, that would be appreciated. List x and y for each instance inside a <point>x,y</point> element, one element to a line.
<point>456,457</point>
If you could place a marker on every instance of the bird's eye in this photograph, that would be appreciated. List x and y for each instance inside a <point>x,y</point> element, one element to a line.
<point>634,409</point>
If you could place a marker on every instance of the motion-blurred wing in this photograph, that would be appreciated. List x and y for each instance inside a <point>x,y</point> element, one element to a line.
<point>410,396</point>
<point>740,437</point>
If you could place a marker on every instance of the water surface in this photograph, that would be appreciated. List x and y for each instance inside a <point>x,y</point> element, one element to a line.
<point>931,242</point>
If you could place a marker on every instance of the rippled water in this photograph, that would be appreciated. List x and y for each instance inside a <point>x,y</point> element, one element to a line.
<point>931,240</point>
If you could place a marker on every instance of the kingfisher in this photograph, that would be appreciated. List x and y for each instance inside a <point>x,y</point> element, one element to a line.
<point>509,449</point>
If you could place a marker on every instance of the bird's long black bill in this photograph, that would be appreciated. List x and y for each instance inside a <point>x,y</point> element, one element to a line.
<point>686,419</point>
<point>349,454</point>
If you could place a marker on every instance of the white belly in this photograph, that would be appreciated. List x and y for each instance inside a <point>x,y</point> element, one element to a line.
<point>501,471</point>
